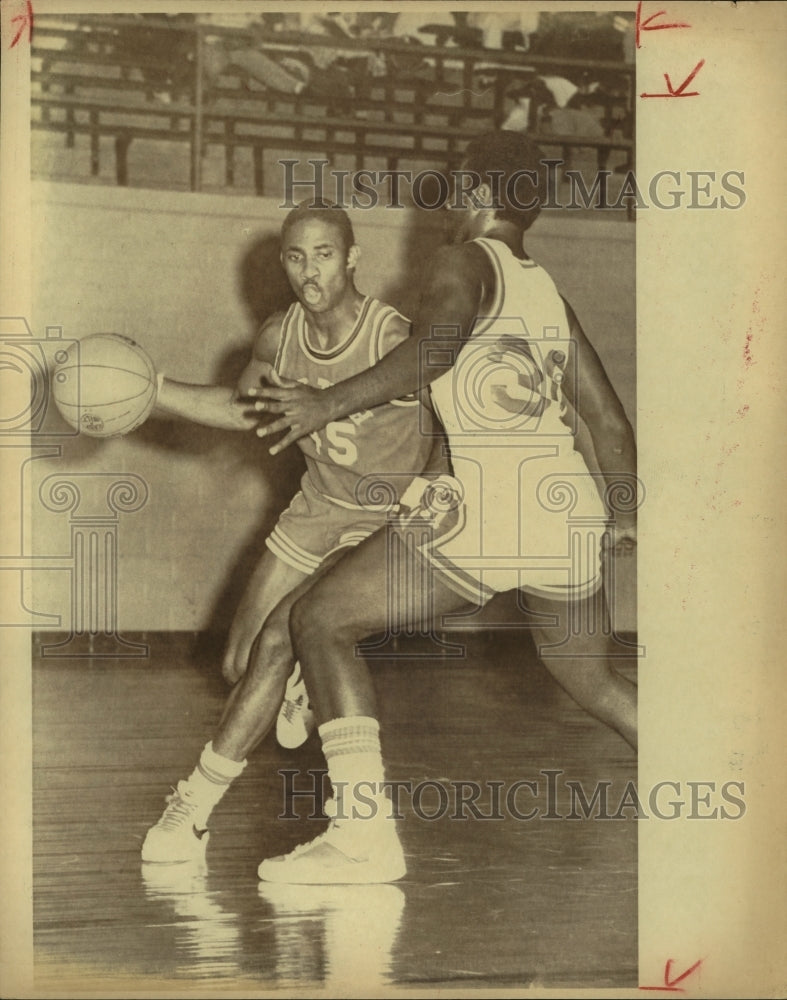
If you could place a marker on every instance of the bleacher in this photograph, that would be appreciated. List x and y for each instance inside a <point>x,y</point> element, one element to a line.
<point>127,81</point>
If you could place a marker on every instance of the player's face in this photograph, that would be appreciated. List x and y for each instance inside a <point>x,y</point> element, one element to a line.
<point>316,261</point>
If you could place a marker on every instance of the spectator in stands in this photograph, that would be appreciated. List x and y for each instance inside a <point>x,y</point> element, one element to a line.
<point>420,31</point>
<point>310,69</point>
<point>166,57</point>
<point>581,35</point>
<point>530,98</point>
<point>626,26</point>
<point>505,31</point>
<point>427,28</point>
<point>552,104</point>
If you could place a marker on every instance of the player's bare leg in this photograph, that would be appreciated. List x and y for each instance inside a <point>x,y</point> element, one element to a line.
<point>577,657</point>
<point>347,604</point>
<point>351,601</point>
<point>271,581</point>
<point>254,701</point>
<point>181,832</point>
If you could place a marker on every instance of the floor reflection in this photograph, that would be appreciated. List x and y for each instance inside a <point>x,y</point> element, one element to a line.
<point>208,938</point>
<point>488,904</point>
<point>337,935</point>
<point>332,936</point>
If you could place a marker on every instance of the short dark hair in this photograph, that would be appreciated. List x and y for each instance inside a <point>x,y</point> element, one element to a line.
<point>327,212</point>
<point>507,154</point>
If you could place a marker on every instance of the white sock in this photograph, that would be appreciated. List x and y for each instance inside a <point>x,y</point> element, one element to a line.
<point>355,765</point>
<point>210,779</point>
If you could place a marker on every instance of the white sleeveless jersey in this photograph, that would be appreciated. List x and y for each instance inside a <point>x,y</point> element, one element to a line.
<point>511,435</point>
<point>392,441</point>
<point>506,379</point>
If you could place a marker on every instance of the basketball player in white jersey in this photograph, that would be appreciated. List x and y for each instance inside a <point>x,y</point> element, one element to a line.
<point>329,334</point>
<point>507,361</point>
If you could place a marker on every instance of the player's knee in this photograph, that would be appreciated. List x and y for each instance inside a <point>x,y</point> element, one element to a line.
<point>273,643</point>
<point>316,621</point>
<point>236,655</point>
<point>243,631</point>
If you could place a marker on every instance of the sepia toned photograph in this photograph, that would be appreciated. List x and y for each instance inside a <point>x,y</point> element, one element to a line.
<point>354,525</point>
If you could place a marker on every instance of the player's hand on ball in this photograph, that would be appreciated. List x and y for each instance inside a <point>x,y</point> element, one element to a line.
<point>300,409</point>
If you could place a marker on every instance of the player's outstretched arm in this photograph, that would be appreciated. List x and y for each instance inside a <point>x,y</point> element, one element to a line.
<point>589,390</point>
<point>210,405</point>
<point>451,299</point>
<point>222,406</point>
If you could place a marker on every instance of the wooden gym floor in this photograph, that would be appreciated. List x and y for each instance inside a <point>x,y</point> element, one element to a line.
<point>495,903</point>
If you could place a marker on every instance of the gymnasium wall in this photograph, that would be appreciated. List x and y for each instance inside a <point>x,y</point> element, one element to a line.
<point>190,276</point>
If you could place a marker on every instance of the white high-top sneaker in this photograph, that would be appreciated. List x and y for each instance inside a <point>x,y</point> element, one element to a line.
<point>180,834</point>
<point>353,851</point>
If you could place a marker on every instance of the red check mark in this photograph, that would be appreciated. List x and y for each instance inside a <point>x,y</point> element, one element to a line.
<point>681,90</point>
<point>671,985</point>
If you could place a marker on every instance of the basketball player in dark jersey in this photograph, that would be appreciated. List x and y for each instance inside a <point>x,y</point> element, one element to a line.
<point>331,333</point>
<point>521,510</point>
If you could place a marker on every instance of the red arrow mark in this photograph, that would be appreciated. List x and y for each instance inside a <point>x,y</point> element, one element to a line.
<point>647,24</point>
<point>671,985</point>
<point>681,90</point>
<point>26,20</point>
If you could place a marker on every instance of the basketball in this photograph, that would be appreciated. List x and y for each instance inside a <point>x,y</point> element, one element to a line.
<point>105,386</point>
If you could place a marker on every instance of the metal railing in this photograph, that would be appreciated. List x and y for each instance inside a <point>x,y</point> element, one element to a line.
<point>106,76</point>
